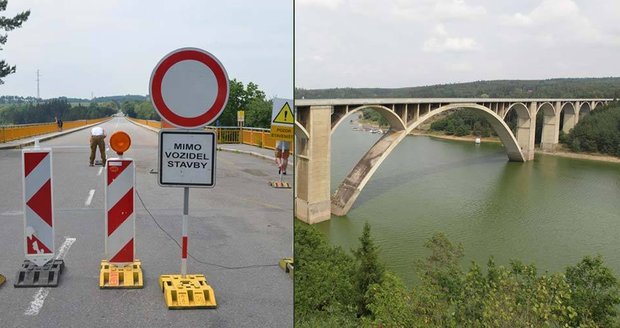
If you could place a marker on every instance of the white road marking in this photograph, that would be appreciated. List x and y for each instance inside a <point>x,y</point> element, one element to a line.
<point>64,248</point>
<point>37,303</point>
<point>100,170</point>
<point>91,193</point>
<point>39,297</point>
<point>70,147</point>
<point>11,213</point>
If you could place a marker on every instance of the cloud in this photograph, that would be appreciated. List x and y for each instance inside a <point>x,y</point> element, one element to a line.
<point>438,9</point>
<point>548,10</point>
<point>449,45</point>
<point>443,42</point>
<point>330,4</point>
<point>458,67</point>
<point>418,42</point>
<point>562,21</point>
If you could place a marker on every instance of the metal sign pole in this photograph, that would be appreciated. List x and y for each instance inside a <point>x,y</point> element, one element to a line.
<point>185,213</point>
<point>185,85</point>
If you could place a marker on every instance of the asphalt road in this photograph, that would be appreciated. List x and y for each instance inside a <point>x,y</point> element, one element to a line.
<point>241,222</point>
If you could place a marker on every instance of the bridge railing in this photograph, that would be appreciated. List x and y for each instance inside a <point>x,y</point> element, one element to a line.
<point>14,132</point>
<point>258,137</point>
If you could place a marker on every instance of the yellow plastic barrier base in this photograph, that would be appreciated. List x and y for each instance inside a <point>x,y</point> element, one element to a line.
<point>2,279</point>
<point>286,264</point>
<point>189,292</point>
<point>121,276</point>
<point>280,184</point>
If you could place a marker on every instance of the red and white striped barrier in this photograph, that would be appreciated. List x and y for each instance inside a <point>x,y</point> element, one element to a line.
<point>38,205</point>
<point>120,216</point>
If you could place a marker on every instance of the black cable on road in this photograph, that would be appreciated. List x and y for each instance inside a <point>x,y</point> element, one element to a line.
<point>192,256</point>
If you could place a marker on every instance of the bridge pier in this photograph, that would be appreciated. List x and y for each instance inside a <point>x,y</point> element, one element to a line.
<point>312,199</point>
<point>551,127</point>
<point>570,117</point>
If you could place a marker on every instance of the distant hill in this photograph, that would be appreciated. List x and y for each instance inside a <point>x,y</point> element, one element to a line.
<point>16,99</point>
<point>120,99</point>
<point>608,87</point>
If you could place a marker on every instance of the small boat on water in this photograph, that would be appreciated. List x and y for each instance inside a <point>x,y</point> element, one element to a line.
<point>477,141</point>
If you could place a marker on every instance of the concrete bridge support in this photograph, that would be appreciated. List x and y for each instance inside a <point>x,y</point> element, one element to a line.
<point>526,129</point>
<point>570,116</point>
<point>551,126</point>
<point>312,199</point>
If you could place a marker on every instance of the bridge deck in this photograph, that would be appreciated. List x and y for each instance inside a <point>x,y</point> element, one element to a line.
<point>241,222</point>
<point>369,101</point>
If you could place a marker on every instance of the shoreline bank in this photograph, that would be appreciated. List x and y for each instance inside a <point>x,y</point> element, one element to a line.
<point>562,152</point>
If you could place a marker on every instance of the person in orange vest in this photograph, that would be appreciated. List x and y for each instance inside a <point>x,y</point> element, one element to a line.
<point>97,139</point>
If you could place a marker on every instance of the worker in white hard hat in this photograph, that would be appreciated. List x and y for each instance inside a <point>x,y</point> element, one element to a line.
<point>97,139</point>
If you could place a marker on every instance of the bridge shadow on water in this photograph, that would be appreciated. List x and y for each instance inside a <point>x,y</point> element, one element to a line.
<point>381,185</point>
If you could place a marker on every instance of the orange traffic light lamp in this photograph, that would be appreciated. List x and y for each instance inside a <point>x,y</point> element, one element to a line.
<point>120,142</point>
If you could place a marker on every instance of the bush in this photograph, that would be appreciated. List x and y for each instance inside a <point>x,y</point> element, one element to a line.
<point>598,132</point>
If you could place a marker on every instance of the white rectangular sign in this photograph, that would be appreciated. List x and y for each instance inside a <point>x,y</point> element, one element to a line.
<point>186,158</point>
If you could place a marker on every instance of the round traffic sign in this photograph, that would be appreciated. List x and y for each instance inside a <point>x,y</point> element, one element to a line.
<point>189,88</point>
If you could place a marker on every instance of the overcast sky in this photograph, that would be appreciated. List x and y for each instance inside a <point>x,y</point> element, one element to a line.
<point>398,43</point>
<point>110,47</point>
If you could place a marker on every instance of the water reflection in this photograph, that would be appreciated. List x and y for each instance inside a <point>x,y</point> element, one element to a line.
<point>550,211</point>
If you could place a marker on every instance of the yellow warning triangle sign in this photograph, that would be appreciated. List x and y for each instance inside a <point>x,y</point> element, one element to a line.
<point>285,115</point>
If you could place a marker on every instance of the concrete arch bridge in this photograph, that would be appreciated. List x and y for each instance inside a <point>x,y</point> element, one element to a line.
<point>316,119</point>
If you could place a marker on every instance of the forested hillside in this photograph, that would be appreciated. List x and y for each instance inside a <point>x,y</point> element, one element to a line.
<point>562,88</point>
<point>23,110</point>
<point>49,110</point>
<point>249,98</point>
<point>597,133</point>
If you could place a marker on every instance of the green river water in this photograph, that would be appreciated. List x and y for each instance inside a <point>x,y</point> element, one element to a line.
<point>551,211</point>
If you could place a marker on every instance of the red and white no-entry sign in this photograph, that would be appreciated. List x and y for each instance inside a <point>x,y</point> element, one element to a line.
<point>38,205</point>
<point>120,216</point>
<point>189,88</point>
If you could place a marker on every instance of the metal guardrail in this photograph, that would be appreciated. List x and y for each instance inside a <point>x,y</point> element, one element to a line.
<point>14,132</point>
<point>230,134</point>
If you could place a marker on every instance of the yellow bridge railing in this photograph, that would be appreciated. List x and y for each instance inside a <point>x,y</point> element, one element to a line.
<point>151,123</point>
<point>14,132</point>
<point>231,134</point>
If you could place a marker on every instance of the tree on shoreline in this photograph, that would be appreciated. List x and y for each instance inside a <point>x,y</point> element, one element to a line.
<point>9,24</point>
<point>369,270</point>
<point>598,132</point>
<point>516,295</point>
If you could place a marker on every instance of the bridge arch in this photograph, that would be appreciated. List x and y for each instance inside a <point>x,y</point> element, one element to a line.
<point>584,109</point>
<point>549,134</point>
<point>350,188</point>
<point>301,139</point>
<point>300,131</point>
<point>497,123</point>
<point>524,119</point>
<point>396,123</point>
<point>521,110</point>
<point>570,116</point>
<point>597,104</point>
